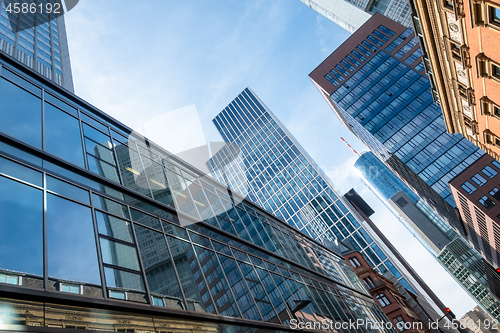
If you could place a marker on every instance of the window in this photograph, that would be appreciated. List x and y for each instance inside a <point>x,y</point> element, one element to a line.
<point>158,301</point>
<point>448,4</point>
<point>369,282</point>
<point>495,193</point>
<point>383,300</point>
<point>479,180</point>
<point>486,202</point>
<point>354,262</point>
<point>468,187</point>
<point>496,163</point>
<point>70,288</point>
<point>400,323</point>
<point>9,279</point>
<point>495,71</point>
<point>117,294</point>
<point>455,51</point>
<point>494,15</point>
<point>488,171</point>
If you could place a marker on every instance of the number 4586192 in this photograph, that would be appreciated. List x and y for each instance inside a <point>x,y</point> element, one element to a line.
<point>33,8</point>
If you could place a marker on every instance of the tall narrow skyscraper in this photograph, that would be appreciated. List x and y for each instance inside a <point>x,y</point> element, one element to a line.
<point>38,40</point>
<point>352,14</point>
<point>459,259</point>
<point>266,164</point>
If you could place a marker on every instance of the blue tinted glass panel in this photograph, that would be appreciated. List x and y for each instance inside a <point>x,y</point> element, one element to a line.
<point>67,190</point>
<point>21,114</point>
<point>114,227</point>
<point>116,278</point>
<point>119,254</point>
<point>72,253</point>
<point>158,264</point>
<point>13,169</point>
<point>21,228</point>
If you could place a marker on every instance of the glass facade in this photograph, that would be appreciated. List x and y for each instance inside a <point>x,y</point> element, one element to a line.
<point>38,40</point>
<point>264,162</point>
<point>380,177</point>
<point>392,100</point>
<point>109,216</point>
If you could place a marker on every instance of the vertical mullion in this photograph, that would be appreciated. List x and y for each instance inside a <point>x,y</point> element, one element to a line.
<point>98,247</point>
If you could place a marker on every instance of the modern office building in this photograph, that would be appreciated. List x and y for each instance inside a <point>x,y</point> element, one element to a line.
<point>352,14</point>
<point>375,83</point>
<point>457,257</point>
<point>103,230</point>
<point>461,43</point>
<point>265,163</point>
<point>476,190</point>
<point>38,40</point>
<point>477,321</point>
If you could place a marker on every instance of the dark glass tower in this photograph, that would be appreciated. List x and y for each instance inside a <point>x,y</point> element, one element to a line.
<point>38,40</point>
<point>103,230</point>
<point>375,83</point>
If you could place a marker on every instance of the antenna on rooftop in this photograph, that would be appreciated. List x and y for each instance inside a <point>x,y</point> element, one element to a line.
<point>348,145</point>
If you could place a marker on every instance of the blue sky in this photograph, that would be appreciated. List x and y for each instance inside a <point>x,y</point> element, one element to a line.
<point>137,60</point>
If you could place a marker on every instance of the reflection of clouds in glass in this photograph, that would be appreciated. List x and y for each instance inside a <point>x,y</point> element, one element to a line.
<point>71,242</point>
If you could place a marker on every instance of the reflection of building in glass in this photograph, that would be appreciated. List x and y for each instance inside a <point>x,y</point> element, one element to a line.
<point>274,171</point>
<point>109,228</point>
<point>43,48</point>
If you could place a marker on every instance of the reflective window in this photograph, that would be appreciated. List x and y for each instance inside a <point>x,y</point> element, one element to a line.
<point>16,170</point>
<point>190,275</point>
<point>479,180</point>
<point>468,187</point>
<point>118,254</point>
<point>21,227</point>
<point>486,202</point>
<point>114,227</point>
<point>21,114</point>
<point>100,156</point>
<point>159,267</point>
<point>62,135</point>
<point>67,190</point>
<point>72,254</point>
<point>489,172</point>
<point>116,278</point>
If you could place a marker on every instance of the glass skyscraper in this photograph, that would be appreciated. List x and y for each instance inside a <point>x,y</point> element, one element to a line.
<point>38,40</point>
<point>264,162</point>
<point>351,14</point>
<point>458,258</point>
<point>377,80</point>
<point>101,229</point>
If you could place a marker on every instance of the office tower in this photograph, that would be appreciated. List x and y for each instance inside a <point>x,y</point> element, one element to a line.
<point>460,260</point>
<point>352,14</point>
<point>38,40</point>
<point>478,322</point>
<point>476,191</point>
<point>376,85</point>
<point>461,42</point>
<point>265,163</point>
<point>98,232</point>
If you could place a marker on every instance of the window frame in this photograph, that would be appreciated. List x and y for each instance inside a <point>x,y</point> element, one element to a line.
<point>383,300</point>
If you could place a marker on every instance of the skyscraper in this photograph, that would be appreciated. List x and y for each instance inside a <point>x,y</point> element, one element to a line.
<point>352,14</point>
<point>38,40</point>
<point>104,230</point>
<point>459,259</point>
<point>265,163</point>
<point>376,85</point>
